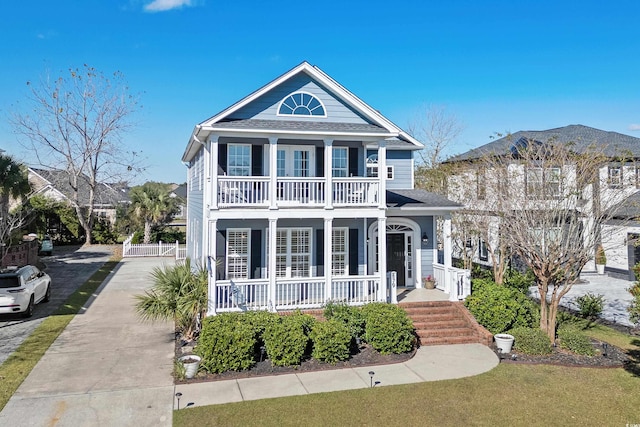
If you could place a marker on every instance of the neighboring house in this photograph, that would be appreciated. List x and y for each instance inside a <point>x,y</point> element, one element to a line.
<point>619,183</point>
<point>55,185</point>
<point>179,192</point>
<point>289,190</point>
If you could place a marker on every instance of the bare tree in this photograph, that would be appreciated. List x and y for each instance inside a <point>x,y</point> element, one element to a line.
<point>550,201</point>
<point>74,124</point>
<point>436,128</point>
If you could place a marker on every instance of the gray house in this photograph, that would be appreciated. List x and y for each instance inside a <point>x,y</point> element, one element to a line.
<point>301,193</point>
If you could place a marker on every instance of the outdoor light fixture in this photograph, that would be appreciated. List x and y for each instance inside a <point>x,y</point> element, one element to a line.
<point>178,395</point>
<point>605,347</point>
<point>425,239</point>
<point>371,374</point>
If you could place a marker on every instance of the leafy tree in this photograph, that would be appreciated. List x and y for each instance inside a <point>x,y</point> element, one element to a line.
<point>152,204</point>
<point>74,124</point>
<point>14,184</point>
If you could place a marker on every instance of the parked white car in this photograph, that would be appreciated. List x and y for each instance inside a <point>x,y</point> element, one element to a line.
<point>22,288</point>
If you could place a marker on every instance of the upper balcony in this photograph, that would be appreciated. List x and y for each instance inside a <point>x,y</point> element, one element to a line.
<point>254,191</point>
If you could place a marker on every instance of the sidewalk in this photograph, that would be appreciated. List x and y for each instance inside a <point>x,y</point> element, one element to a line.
<point>430,363</point>
<point>106,368</point>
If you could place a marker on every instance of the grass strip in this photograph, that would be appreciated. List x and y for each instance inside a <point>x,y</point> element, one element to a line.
<point>510,394</point>
<point>16,368</point>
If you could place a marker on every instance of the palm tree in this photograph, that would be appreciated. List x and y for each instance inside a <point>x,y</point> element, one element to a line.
<point>14,182</point>
<point>178,292</point>
<point>152,204</point>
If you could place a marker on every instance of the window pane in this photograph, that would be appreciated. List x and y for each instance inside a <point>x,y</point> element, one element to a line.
<point>340,161</point>
<point>237,254</point>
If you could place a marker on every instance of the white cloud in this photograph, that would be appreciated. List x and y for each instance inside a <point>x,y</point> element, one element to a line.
<point>634,126</point>
<point>164,5</point>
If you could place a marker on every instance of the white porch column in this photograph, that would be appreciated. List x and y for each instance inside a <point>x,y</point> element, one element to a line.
<point>446,236</point>
<point>382,258</point>
<point>212,191</point>
<point>328,173</point>
<point>212,266</point>
<point>382,175</point>
<point>273,224</point>
<point>273,173</point>
<point>328,244</point>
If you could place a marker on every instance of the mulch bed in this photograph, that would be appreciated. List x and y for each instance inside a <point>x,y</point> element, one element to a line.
<point>366,357</point>
<point>615,358</point>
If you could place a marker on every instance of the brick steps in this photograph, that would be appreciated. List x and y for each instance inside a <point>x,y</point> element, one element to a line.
<point>445,322</point>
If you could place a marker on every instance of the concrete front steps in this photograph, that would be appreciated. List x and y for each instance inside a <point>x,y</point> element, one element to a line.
<point>445,322</point>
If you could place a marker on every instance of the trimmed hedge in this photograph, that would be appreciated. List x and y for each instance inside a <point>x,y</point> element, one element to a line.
<point>576,341</point>
<point>227,343</point>
<point>531,340</point>
<point>331,341</point>
<point>287,341</point>
<point>349,315</point>
<point>388,328</point>
<point>499,308</point>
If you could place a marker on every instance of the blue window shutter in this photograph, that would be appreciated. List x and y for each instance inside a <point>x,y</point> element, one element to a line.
<point>319,252</point>
<point>222,158</point>
<point>353,161</point>
<point>256,254</point>
<point>256,160</point>
<point>319,161</point>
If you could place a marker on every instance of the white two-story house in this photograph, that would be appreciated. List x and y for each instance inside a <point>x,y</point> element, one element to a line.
<point>610,189</point>
<point>301,193</point>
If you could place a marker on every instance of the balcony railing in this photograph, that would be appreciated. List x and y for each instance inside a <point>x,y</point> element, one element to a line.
<point>254,191</point>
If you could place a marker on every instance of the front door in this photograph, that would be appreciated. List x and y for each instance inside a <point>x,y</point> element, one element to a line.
<point>396,256</point>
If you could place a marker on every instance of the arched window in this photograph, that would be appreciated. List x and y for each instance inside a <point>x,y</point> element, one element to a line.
<point>301,104</point>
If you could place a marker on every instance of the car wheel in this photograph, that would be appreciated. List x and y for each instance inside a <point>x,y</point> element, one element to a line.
<point>47,295</point>
<point>29,311</point>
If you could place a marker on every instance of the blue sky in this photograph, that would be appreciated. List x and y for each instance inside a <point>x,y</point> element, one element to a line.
<point>499,65</point>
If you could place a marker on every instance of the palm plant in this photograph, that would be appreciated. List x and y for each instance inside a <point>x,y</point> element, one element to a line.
<point>178,292</point>
<point>152,204</point>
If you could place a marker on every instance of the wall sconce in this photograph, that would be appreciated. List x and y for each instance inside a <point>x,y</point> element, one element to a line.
<point>425,239</point>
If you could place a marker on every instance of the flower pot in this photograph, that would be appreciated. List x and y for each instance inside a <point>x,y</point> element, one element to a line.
<point>429,284</point>
<point>600,268</point>
<point>504,342</point>
<point>191,363</point>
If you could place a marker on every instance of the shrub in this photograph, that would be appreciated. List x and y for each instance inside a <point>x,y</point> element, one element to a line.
<point>331,341</point>
<point>260,320</point>
<point>499,308</point>
<point>590,305</point>
<point>388,328</point>
<point>518,281</point>
<point>227,343</point>
<point>349,315</point>
<point>286,341</point>
<point>477,285</point>
<point>634,310</point>
<point>574,340</point>
<point>531,340</point>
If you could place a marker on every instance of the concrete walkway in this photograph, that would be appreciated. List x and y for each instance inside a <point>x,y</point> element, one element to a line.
<point>106,368</point>
<point>109,369</point>
<point>431,363</point>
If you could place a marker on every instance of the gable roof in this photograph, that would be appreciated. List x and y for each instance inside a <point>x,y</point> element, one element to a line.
<point>58,182</point>
<point>581,137</point>
<point>378,127</point>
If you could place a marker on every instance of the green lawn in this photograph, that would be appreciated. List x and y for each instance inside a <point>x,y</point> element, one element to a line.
<point>18,366</point>
<point>508,395</point>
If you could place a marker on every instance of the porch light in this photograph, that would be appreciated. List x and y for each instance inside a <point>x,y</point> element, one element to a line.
<point>425,239</point>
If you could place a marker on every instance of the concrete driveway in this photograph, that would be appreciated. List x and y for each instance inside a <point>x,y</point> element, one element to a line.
<point>106,368</point>
<point>69,268</point>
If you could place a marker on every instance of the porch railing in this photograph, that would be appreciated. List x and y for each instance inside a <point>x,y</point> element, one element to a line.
<point>457,283</point>
<point>295,191</point>
<point>240,295</point>
<point>160,249</point>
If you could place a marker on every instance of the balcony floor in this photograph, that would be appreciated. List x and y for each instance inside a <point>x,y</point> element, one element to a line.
<point>420,295</point>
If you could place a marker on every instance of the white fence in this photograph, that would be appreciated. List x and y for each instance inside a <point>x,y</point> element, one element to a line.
<point>159,249</point>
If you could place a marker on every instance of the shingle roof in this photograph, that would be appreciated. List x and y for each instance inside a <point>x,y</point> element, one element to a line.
<point>105,195</point>
<point>299,125</point>
<point>419,199</point>
<point>582,137</point>
<point>628,208</point>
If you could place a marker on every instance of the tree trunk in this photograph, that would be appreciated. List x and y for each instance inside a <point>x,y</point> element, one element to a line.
<point>147,232</point>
